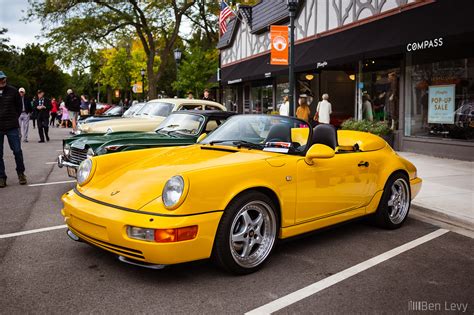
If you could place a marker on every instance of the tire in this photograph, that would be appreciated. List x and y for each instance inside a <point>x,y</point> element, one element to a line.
<point>395,202</point>
<point>246,234</point>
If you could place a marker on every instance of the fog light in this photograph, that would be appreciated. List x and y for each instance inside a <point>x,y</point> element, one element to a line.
<point>141,233</point>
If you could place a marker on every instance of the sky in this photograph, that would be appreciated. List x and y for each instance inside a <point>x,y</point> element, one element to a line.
<point>19,32</point>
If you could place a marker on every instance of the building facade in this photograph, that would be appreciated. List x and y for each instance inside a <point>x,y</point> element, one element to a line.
<point>409,63</point>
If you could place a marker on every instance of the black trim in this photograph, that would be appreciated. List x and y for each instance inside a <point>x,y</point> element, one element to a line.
<point>218,149</point>
<point>139,211</point>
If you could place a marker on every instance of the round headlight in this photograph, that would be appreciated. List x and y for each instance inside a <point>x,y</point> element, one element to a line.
<point>90,153</point>
<point>67,149</point>
<point>84,172</point>
<point>173,191</point>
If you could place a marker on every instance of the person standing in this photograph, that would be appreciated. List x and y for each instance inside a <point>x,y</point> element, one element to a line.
<point>64,115</point>
<point>207,96</point>
<point>367,112</point>
<point>323,111</point>
<point>34,113</point>
<point>73,105</point>
<point>84,106</point>
<point>10,111</point>
<point>190,95</point>
<point>285,107</point>
<point>54,111</point>
<point>26,110</point>
<point>43,106</point>
<point>93,107</point>
<point>303,111</point>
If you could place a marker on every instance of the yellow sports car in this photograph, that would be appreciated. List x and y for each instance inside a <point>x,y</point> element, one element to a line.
<point>254,180</point>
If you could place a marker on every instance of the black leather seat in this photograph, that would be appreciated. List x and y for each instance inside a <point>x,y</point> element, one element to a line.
<point>279,133</point>
<point>325,134</point>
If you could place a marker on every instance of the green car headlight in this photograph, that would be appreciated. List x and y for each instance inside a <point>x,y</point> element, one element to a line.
<point>173,192</point>
<point>85,172</point>
<point>67,149</point>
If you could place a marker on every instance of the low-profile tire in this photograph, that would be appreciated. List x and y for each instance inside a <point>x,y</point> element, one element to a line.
<point>395,202</point>
<point>246,234</point>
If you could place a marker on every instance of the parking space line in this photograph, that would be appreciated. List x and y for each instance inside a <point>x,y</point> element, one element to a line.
<point>50,163</point>
<point>325,283</point>
<point>57,227</point>
<point>52,183</point>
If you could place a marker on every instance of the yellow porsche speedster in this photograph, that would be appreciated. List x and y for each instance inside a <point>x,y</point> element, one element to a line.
<point>254,180</point>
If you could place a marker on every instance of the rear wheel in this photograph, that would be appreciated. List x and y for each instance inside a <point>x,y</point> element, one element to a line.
<point>395,203</point>
<point>246,234</point>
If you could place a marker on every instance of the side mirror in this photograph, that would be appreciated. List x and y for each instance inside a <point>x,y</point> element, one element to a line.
<point>318,151</point>
<point>201,137</point>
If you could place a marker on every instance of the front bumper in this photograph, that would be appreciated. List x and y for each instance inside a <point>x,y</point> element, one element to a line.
<point>106,228</point>
<point>415,186</point>
<point>63,161</point>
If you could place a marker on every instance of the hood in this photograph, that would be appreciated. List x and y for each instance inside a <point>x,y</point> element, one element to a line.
<point>123,124</point>
<point>134,184</point>
<point>95,140</point>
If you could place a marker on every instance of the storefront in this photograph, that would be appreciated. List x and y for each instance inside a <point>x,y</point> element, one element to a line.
<point>403,66</point>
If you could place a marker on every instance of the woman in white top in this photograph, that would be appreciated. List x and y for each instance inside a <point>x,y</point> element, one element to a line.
<point>323,111</point>
<point>285,107</point>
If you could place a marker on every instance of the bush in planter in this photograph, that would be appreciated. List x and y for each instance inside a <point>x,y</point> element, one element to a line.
<point>378,128</point>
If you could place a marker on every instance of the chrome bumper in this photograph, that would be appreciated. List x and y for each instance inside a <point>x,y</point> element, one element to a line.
<point>62,162</point>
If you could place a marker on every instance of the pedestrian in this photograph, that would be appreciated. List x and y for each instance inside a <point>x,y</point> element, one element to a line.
<point>207,96</point>
<point>34,112</point>
<point>43,106</point>
<point>10,111</point>
<point>84,106</point>
<point>93,107</point>
<point>303,111</point>
<point>73,105</point>
<point>367,112</point>
<point>54,111</point>
<point>190,95</point>
<point>64,115</point>
<point>285,107</point>
<point>26,110</point>
<point>323,111</point>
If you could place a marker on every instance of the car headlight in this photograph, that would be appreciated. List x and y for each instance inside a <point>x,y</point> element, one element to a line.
<point>90,153</point>
<point>67,149</point>
<point>173,192</point>
<point>84,172</point>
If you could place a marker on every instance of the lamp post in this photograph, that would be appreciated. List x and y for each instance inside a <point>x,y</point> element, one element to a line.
<point>177,56</point>
<point>142,72</point>
<point>292,6</point>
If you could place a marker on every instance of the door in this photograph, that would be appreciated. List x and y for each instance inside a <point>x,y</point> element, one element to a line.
<point>336,185</point>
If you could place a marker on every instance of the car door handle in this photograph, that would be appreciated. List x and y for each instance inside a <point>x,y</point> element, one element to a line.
<point>361,163</point>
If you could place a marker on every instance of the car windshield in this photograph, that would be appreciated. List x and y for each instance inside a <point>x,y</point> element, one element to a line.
<point>156,109</point>
<point>133,110</point>
<point>264,132</point>
<point>187,124</point>
<point>117,110</point>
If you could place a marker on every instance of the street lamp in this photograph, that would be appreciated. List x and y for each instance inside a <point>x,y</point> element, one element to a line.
<point>142,72</point>
<point>177,56</point>
<point>292,6</point>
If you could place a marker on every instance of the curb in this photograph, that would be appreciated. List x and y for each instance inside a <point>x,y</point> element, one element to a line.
<point>443,217</point>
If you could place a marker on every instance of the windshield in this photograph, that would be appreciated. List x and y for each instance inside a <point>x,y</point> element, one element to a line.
<point>264,132</point>
<point>156,109</point>
<point>117,110</point>
<point>134,109</point>
<point>187,124</point>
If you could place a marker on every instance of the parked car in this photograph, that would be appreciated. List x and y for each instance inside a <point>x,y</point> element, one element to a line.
<point>179,128</point>
<point>150,116</point>
<point>255,179</point>
<point>114,112</point>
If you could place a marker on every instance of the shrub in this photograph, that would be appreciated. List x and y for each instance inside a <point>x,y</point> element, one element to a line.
<point>379,128</point>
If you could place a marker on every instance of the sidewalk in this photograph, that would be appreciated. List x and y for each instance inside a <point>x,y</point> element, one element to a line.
<point>447,193</point>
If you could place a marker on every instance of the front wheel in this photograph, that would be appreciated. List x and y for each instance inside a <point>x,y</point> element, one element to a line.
<point>246,234</point>
<point>395,202</point>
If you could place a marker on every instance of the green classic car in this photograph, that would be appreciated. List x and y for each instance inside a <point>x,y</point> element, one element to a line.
<point>178,129</point>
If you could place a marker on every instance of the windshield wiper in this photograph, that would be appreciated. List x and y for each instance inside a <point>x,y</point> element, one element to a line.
<point>240,143</point>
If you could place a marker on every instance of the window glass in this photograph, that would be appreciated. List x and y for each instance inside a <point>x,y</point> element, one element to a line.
<point>157,109</point>
<point>191,107</point>
<point>440,99</point>
<point>212,107</point>
<point>262,99</point>
<point>187,124</point>
<point>229,95</point>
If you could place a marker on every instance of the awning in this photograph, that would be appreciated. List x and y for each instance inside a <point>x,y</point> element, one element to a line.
<point>390,35</point>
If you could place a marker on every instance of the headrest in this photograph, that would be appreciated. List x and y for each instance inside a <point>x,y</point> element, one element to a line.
<point>325,134</point>
<point>279,133</point>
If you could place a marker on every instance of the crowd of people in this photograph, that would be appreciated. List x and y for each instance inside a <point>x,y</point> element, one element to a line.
<point>303,111</point>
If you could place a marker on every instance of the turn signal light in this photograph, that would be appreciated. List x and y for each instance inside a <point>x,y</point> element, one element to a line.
<point>176,235</point>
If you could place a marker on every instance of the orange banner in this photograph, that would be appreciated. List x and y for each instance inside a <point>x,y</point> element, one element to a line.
<point>279,40</point>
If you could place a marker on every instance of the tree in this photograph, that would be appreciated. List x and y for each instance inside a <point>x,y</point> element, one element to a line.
<point>76,27</point>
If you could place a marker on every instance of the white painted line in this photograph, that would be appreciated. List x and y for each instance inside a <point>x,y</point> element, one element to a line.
<point>51,163</point>
<point>52,183</point>
<point>59,150</point>
<point>341,276</point>
<point>57,227</point>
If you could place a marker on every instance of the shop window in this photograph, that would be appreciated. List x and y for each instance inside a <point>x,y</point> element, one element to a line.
<point>262,99</point>
<point>229,95</point>
<point>440,99</point>
<point>282,90</point>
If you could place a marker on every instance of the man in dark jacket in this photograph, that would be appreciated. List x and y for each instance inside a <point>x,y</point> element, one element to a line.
<point>43,106</point>
<point>73,105</point>
<point>10,110</point>
<point>26,110</point>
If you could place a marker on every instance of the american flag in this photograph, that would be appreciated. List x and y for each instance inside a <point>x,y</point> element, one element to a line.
<point>226,12</point>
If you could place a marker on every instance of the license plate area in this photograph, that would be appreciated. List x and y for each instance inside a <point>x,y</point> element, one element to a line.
<point>71,172</point>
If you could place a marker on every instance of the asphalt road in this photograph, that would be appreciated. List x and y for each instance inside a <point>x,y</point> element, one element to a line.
<point>46,272</point>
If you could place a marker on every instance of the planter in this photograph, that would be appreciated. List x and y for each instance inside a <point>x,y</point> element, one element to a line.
<point>390,138</point>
